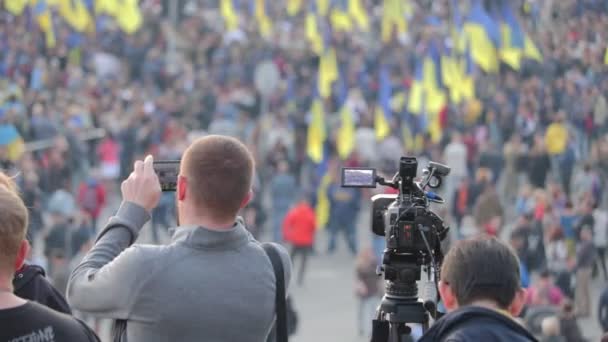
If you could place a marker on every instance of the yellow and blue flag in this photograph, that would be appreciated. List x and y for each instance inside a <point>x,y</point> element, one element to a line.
<point>15,7</point>
<point>42,14</point>
<point>483,34</point>
<point>313,30</point>
<point>294,7</point>
<point>228,8</point>
<point>76,14</point>
<point>128,16</point>
<point>383,114</point>
<point>323,181</point>
<point>12,141</point>
<point>359,14</point>
<point>393,18</point>
<point>512,37</point>
<point>317,132</point>
<point>259,12</point>
<point>328,71</point>
<point>109,7</point>
<point>340,17</point>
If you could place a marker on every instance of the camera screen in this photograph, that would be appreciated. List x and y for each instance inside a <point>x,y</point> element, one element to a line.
<point>359,177</point>
<point>167,172</point>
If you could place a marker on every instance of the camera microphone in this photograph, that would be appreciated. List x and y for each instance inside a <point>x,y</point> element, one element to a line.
<point>433,197</point>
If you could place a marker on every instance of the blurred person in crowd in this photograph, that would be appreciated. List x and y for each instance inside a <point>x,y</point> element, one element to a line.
<point>480,288</point>
<point>551,330</point>
<point>556,141</point>
<point>123,282</point>
<point>492,159</point>
<point>568,323</point>
<point>512,152</point>
<point>602,310</point>
<point>568,221</point>
<point>517,243</point>
<point>557,258</point>
<point>586,219</point>
<point>538,165</point>
<point>283,189</point>
<point>463,201</point>
<point>299,230</point>
<point>586,256</point>
<point>582,183</point>
<point>543,292</point>
<point>367,290</point>
<point>20,318</point>
<point>488,211</point>
<point>600,238</point>
<point>455,155</point>
<point>344,204</point>
<point>33,198</point>
<point>92,198</point>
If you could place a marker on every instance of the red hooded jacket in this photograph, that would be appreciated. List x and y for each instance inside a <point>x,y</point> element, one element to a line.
<point>299,226</point>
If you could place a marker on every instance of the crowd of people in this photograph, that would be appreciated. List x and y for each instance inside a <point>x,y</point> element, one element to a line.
<point>531,148</point>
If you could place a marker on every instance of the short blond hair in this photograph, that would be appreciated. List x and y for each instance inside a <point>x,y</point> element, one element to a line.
<point>8,182</point>
<point>13,226</point>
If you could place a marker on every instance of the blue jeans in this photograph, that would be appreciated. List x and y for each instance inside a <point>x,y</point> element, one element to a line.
<point>277,225</point>
<point>349,235</point>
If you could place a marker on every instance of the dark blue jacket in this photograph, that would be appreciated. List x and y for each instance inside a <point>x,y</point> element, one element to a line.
<point>474,323</point>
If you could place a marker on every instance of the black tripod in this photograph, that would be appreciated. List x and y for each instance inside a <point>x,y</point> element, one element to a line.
<point>400,305</point>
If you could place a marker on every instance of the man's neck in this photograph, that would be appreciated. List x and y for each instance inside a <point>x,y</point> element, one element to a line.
<point>488,304</point>
<point>207,223</point>
<point>7,299</point>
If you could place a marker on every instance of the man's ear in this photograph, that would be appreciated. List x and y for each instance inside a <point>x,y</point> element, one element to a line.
<point>248,198</point>
<point>24,251</point>
<point>517,305</point>
<point>182,186</point>
<point>447,296</point>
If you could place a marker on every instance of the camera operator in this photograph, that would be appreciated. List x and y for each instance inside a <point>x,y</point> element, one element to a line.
<point>480,288</point>
<point>213,282</point>
<point>20,319</point>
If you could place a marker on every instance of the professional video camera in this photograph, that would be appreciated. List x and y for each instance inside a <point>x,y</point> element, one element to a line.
<point>413,244</point>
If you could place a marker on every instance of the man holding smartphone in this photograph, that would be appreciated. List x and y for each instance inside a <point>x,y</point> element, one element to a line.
<point>213,275</point>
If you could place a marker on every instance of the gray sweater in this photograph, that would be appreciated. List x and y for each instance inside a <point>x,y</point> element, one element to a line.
<point>205,286</point>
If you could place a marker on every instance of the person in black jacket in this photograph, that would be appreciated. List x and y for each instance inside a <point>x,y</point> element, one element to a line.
<point>480,288</point>
<point>30,283</point>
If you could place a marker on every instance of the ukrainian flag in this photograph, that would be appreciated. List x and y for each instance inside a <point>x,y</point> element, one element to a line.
<point>531,51</point>
<point>512,37</point>
<point>323,206</point>
<point>43,17</point>
<point>12,141</point>
<point>294,7</point>
<point>393,17</point>
<point>76,14</point>
<point>383,113</point>
<point>322,7</point>
<point>258,11</point>
<point>15,7</point>
<point>340,17</point>
<point>128,16</point>
<point>231,17</point>
<point>606,56</point>
<point>359,14</point>
<point>484,36</point>
<point>313,32</point>
<point>317,132</point>
<point>109,7</point>
<point>328,72</point>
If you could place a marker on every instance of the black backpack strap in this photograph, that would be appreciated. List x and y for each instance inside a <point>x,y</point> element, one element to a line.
<point>119,330</point>
<point>280,303</point>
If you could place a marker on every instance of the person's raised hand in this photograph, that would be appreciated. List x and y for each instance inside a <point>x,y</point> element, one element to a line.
<point>142,187</point>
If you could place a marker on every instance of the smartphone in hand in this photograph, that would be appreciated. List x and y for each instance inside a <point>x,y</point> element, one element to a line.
<point>167,172</point>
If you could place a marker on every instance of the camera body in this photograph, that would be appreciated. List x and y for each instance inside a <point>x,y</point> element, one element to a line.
<point>413,232</point>
<point>401,218</point>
